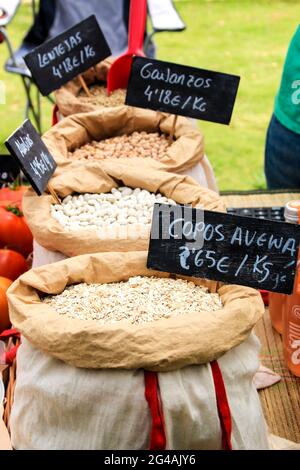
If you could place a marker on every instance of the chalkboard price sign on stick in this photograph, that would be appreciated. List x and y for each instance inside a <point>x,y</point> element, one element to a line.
<point>67,55</point>
<point>33,157</point>
<point>228,248</point>
<point>178,89</point>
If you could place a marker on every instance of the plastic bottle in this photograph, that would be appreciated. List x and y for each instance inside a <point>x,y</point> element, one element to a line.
<point>277,301</point>
<point>291,308</point>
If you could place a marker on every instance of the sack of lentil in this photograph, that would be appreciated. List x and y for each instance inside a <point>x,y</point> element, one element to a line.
<point>93,327</point>
<point>136,136</point>
<point>96,216</point>
<point>71,98</point>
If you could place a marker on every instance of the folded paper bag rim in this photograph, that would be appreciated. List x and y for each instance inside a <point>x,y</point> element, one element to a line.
<point>95,178</point>
<point>81,128</point>
<point>163,345</point>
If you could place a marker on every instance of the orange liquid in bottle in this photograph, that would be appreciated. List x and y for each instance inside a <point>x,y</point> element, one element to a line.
<point>291,332</point>
<point>276,303</point>
<point>291,323</point>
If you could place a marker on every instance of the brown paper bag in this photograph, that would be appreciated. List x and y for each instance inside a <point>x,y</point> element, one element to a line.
<point>73,132</point>
<point>163,345</point>
<point>67,97</point>
<point>94,178</point>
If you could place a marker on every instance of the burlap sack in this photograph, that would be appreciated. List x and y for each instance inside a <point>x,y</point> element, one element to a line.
<point>73,132</point>
<point>163,345</point>
<point>96,179</point>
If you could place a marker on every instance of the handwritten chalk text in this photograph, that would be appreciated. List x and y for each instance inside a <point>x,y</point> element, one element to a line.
<point>24,144</point>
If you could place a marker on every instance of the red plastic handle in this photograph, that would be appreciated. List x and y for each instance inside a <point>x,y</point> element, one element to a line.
<point>137,25</point>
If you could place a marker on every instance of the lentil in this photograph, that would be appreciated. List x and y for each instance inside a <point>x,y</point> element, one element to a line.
<point>100,97</point>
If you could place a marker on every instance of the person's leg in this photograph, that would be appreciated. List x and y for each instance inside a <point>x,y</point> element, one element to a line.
<point>37,34</point>
<point>282,157</point>
<point>39,31</point>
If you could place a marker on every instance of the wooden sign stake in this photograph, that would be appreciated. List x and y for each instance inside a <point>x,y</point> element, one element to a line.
<point>107,61</point>
<point>84,85</point>
<point>53,194</point>
<point>171,136</point>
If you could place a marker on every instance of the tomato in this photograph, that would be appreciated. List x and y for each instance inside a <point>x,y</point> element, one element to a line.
<point>5,283</point>
<point>14,232</point>
<point>12,264</point>
<point>6,203</point>
<point>4,317</point>
<point>12,194</point>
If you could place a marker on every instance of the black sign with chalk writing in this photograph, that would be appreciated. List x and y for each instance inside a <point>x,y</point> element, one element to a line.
<point>67,55</point>
<point>32,155</point>
<point>177,89</point>
<point>229,248</point>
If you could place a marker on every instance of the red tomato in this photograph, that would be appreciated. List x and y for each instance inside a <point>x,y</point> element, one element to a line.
<point>12,194</point>
<point>12,264</point>
<point>6,203</point>
<point>5,283</point>
<point>4,318</point>
<point>14,232</point>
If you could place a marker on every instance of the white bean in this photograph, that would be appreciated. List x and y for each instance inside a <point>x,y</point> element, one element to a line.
<point>122,206</point>
<point>127,191</point>
<point>131,220</point>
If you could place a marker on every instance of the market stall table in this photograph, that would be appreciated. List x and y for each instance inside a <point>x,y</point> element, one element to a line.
<point>281,402</point>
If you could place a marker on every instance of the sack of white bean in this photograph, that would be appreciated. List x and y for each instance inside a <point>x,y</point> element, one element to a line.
<point>136,136</point>
<point>116,356</point>
<point>106,208</point>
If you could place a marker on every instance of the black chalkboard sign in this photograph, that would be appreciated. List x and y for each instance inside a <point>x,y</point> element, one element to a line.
<point>67,55</point>
<point>32,155</point>
<point>177,89</point>
<point>239,250</point>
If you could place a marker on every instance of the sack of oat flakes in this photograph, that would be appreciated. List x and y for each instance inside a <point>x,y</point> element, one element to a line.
<point>105,208</point>
<point>137,136</point>
<point>115,356</point>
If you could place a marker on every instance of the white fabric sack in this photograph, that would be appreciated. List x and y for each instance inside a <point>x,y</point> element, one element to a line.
<point>43,256</point>
<point>203,173</point>
<point>57,406</point>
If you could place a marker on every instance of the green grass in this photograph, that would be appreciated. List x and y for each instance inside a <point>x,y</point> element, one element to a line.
<point>244,37</point>
<point>12,113</point>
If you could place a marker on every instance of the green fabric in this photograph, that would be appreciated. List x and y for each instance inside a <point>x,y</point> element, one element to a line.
<point>287,102</point>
